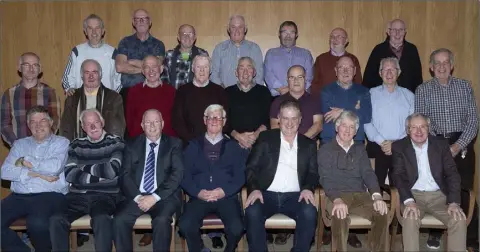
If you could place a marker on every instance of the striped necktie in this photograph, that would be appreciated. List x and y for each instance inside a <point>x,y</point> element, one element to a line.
<point>149,177</point>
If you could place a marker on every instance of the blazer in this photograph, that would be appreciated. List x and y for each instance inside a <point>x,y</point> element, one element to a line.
<point>410,64</point>
<point>263,161</point>
<point>169,167</point>
<point>442,167</point>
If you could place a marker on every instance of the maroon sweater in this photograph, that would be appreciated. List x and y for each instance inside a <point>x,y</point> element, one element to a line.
<point>142,98</point>
<point>190,104</point>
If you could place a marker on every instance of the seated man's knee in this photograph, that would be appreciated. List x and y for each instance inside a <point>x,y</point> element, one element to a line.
<point>308,212</point>
<point>377,217</point>
<point>57,220</point>
<point>254,212</point>
<point>162,221</point>
<point>101,219</point>
<point>456,224</point>
<point>236,228</point>
<point>38,224</point>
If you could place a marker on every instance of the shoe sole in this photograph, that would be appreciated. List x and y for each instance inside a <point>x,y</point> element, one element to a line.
<point>433,247</point>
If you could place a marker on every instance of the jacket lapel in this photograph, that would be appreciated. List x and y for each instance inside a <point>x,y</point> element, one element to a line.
<point>411,157</point>
<point>162,149</point>
<point>275,150</point>
<point>433,158</point>
<point>141,159</point>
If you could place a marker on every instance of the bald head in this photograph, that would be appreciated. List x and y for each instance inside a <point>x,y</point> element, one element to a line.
<point>141,12</point>
<point>141,21</point>
<point>338,39</point>
<point>396,30</point>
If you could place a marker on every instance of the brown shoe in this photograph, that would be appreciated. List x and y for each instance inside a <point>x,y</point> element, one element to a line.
<point>146,240</point>
<point>281,238</point>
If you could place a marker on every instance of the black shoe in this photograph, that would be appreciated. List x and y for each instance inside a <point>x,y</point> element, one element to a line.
<point>327,238</point>
<point>433,241</point>
<point>281,238</point>
<point>81,239</point>
<point>217,242</point>
<point>354,241</point>
<point>269,238</point>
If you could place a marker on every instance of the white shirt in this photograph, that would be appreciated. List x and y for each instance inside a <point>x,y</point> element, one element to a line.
<point>286,177</point>
<point>214,141</point>
<point>147,150</point>
<point>425,181</point>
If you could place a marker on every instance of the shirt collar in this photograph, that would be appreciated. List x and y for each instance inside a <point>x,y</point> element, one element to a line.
<point>98,46</point>
<point>36,85</point>
<point>438,82</point>
<point>218,138</point>
<point>385,89</point>
<point>424,146</point>
<point>288,49</point>
<point>145,83</point>
<point>100,139</point>
<point>157,142</point>
<point>199,84</point>
<point>285,142</point>
<point>245,90</point>
<point>46,140</point>
<point>332,52</point>
<point>233,43</point>
<point>340,85</point>
<point>346,149</point>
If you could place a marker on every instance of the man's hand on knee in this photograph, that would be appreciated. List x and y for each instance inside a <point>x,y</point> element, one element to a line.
<point>340,209</point>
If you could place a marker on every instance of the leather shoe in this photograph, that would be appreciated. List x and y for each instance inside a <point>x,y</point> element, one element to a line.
<point>81,239</point>
<point>217,242</point>
<point>327,238</point>
<point>354,241</point>
<point>281,238</point>
<point>269,238</point>
<point>146,240</point>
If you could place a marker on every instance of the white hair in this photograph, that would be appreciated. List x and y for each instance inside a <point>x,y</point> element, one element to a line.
<point>82,115</point>
<point>350,115</point>
<point>394,60</point>
<point>215,107</point>
<point>99,67</point>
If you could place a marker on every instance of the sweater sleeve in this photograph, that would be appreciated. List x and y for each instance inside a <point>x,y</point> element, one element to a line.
<point>179,122</point>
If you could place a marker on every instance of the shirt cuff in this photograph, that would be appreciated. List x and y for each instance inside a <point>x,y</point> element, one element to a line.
<point>136,198</point>
<point>156,196</point>
<point>24,175</point>
<point>376,194</point>
<point>408,200</point>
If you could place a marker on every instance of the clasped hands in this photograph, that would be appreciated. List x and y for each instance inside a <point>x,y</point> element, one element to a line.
<point>340,209</point>
<point>411,211</point>
<point>145,202</point>
<point>211,195</point>
<point>21,162</point>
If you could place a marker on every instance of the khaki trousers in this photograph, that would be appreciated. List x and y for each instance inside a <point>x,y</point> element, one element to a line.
<point>434,203</point>
<point>360,204</point>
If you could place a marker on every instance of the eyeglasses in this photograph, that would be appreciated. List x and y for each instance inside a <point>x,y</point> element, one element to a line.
<point>294,78</point>
<point>418,127</point>
<point>141,19</point>
<point>393,70</point>
<point>285,32</point>
<point>28,66</point>
<point>345,69</point>
<point>214,118</point>
<point>290,119</point>
<point>337,37</point>
<point>439,64</point>
<point>42,122</point>
<point>398,31</point>
<point>187,34</point>
<point>154,123</point>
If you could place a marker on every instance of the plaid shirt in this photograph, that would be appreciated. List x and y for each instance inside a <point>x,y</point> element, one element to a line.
<point>183,67</point>
<point>15,104</point>
<point>451,108</point>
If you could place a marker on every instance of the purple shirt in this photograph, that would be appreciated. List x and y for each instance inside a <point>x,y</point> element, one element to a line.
<point>279,60</point>
<point>309,107</point>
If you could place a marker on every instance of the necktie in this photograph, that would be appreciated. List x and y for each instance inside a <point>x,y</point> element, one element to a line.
<point>149,177</point>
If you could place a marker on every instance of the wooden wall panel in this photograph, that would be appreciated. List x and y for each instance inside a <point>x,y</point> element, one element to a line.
<point>51,29</point>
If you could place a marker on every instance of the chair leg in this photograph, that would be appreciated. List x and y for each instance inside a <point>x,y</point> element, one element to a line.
<point>172,241</point>
<point>240,247</point>
<point>393,234</point>
<point>320,232</point>
<point>73,241</point>
<point>133,239</point>
<point>184,244</point>
<point>445,240</point>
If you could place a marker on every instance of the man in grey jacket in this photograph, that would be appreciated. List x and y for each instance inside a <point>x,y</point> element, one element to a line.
<point>345,175</point>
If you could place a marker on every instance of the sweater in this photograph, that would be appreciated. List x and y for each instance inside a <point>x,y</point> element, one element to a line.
<point>356,99</point>
<point>248,110</point>
<point>411,76</point>
<point>190,104</point>
<point>324,71</point>
<point>228,172</point>
<point>94,166</point>
<point>342,171</point>
<point>105,55</point>
<point>142,98</point>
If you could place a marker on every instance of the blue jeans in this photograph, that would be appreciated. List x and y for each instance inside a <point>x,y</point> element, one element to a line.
<point>305,216</point>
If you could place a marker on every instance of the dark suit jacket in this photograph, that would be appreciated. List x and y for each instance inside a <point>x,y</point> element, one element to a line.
<point>411,76</point>
<point>263,161</point>
<point>169,166</point>
<point>442,166</point>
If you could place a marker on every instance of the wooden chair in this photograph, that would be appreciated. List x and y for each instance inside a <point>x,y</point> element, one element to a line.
<point>428,220</point>
<point>280,221</point>
<point>356,222</point>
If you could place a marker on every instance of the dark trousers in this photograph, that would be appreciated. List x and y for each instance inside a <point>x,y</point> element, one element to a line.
<point>37,209</point>
<point>383,163</point>
<point>100,207</point>
<point>161,214</point>
<point>305,216</point>
<point>227,209</point>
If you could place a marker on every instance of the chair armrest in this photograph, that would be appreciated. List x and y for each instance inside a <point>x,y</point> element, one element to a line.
<point>316,197</point>
<point>323,208</point>
<point>394,204</point>
<point>244,197</point>
<point>471,205</point>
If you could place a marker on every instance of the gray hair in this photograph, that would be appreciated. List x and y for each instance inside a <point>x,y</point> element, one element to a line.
<point>99,67</point>
<point>82,115</point>
<point>394,60</point>
<point>346,114</point>
<point>20,59</point>
<point>416,115</point>
<point>151,110</point>
<point>234,17</point>
<point>441,50</point>
<point>215,107</point>
<point>247,58</point>
<point>194,61</point>
<point>92,16</point>
<point>38,109</point>
<point>159,59</point>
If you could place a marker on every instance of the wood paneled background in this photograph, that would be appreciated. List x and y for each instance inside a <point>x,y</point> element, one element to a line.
<point>51,29</point>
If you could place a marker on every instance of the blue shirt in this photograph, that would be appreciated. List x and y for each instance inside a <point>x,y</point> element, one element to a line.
<point>389,112</point>
<point>47,158</point>
<point>225,58</point>
<point>134,48</point>
<point>356,99</point>
<point>279,60</point>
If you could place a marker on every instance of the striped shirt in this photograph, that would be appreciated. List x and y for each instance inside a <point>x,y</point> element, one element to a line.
<point>451,108</point>
<point>94,166</point>
<point>225,58</point>
<point>15,103</point>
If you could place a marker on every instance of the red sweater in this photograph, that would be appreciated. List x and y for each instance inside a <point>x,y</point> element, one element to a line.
<point>140,98</point>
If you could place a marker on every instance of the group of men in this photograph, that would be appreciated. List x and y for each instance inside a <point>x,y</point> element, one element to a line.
<point>118,155</point>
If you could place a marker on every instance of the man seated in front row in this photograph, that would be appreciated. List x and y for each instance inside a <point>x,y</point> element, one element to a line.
<point>92,170</point>
<point>428,182</point>
<point>281,177</point>
<point>151,174</point>
<point>35,167</point>
<point>345,174</point>
<point>214,174</point>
